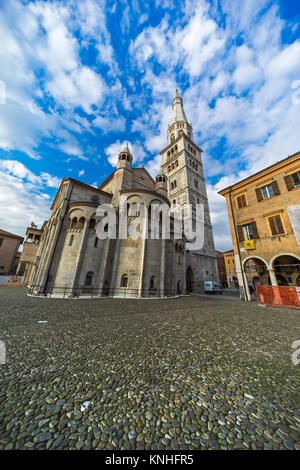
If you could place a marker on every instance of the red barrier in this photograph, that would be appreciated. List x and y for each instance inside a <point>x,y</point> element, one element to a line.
<point>283,296</point>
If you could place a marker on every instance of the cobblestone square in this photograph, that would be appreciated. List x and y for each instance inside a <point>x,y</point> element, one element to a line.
<point>183,373</point>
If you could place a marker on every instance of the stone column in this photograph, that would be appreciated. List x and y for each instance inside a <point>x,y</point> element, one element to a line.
<point>162,268</point>
<point>115,268</point>
<point>142,258</point>
<point>242,279</point>
<point>272,277</point>
<point>80,256</point>
<point>50,254</point>
<point>184,272</point>
<point>18,268</point>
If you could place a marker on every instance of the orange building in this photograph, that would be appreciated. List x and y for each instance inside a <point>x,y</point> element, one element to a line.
<point>264,217</point>
<point>230,268</point>
<point>9,245</point>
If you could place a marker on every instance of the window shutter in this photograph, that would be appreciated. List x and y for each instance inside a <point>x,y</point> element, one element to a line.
<point>279,224</point>
<point>240,233</point>
<point>272,225</point>
<point>275,188</point>
<point>254,230</point>
<point>244,202</point>
<point>239,201</point>
<point>289,182</point>
<point>259,194</point>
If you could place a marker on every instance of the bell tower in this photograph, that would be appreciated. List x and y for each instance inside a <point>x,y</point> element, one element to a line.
<point>123,173</point>
<point>182,165</point>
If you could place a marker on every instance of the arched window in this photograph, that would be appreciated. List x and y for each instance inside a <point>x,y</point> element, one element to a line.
<point>89,278</point>
<point>71,240</point>
<point>124,280</point>
<point>92,224</point>
<point>74,222</point>
<point>152,282</point>
<point>81,222</point>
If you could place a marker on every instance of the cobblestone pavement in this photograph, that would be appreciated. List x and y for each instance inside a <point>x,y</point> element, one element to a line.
<point>185,373</point>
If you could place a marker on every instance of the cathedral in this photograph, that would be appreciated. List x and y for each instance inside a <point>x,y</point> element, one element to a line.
<point>70,259</point>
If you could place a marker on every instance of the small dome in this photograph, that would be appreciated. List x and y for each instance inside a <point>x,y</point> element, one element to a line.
<point>125,154</point>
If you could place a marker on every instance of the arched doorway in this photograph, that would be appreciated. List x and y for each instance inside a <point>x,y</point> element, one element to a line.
<point>286,267</point>
<point>189,280</point>
<point>256,269</point>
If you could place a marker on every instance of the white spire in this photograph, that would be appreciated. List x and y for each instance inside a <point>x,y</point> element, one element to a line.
<point>178,113</point>
<point>179,124</point>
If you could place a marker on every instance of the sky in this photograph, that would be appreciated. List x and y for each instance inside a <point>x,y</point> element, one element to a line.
<point>80,78</point>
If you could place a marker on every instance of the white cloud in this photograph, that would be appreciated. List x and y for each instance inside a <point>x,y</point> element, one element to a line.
<point>19,170</point>
<point>20,204</point>
<point>72,149</point>
<point>154,166</point>
<point>81,87</point>
<point>80,172</point>
<point>41,56</point>
<point>192,45</point>
<point>110,124</point>
<point>22,199</point>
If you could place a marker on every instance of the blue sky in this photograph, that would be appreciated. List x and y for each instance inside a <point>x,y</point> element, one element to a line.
<point>83,77</point>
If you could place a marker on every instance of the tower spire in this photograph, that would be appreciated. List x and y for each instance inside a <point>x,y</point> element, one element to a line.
<point>178,113</point>
<point>179,124</point>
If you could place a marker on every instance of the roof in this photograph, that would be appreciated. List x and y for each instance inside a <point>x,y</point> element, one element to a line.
<point>9,234</point>
<point>134,171</point>
<point>72,180</point>
<point>259,172</point>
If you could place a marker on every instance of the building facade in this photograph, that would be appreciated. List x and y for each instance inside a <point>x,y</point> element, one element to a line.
<point>9,245</point>
<point>29,252</point>
<point>70,258</point>
<point>221,269</point>
<point>230,268</point>
<point>264,217</point>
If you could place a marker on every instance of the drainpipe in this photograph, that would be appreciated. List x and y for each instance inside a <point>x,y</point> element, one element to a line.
<point>239,252</point>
